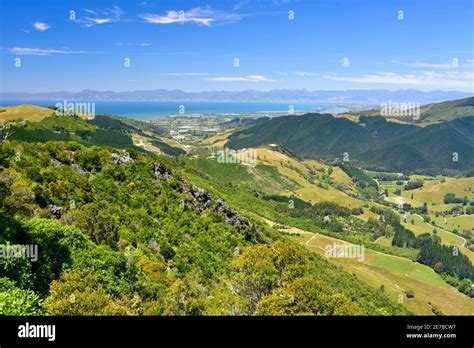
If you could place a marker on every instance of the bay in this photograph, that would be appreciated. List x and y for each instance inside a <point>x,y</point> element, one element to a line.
<point>147,110</point>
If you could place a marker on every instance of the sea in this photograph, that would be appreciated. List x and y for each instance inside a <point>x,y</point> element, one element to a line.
<point>148,110</point>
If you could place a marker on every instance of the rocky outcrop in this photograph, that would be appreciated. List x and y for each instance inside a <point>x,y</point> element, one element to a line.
<point>203,202</point>
<point>55,210</point>
<point>121,159</point>
<point>56,162</point>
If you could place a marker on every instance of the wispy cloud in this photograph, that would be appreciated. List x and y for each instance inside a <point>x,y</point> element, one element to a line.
<point>26,51</point>
<point>183,74</point>
<point>40,26</point>
<point>142,44</point>
<point>250,78</point>
<point>431,65</point>
<point>426,78</point>
<point>199,15</point>
<point>101,16</point>
<point>145,4</point>
<point>453,64</point>
<point>241,4</point>
<point>307,74</point>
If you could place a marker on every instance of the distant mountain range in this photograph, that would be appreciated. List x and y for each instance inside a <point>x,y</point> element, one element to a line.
<point>372,97</point>
<point>372,142</point>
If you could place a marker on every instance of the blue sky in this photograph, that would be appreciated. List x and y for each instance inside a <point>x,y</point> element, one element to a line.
<point>329,44</point>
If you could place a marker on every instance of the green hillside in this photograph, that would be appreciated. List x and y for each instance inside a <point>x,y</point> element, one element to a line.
<point>128,235</point>
<point>438,112</point>
<point>291,212</point>
<point>127,231</point>
<point>372,142</point>
<point>101,130</point>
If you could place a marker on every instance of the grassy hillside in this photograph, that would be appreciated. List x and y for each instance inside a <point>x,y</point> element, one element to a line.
<point>102,130</point>
<point>438,112</point>
<point>397,275</point>
<point>25,112</point>
<point>241,185</point>
<point>449,220</point>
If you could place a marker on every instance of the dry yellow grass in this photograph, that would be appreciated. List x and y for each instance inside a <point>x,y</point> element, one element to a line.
<point>351,117</point>
<point>433,191</point>
<point>24,112</point>
<point>309,192</point>
<point>397,275</point>
<point>217,140</point>
<point>340,176</point>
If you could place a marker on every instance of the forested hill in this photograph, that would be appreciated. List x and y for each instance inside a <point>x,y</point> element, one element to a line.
<point>125,234</point>
<point>438,112</point>
<point>372,142</point>
<point>101,130</point>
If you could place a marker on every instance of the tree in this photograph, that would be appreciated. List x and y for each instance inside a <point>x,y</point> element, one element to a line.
<point>184,297</point>
<point>254,275</point>
<point>75,294</point>
<point>97,223</point>
<point>439,267</point>
<point>412,185</point>
<point>21,198</point>
<point>222,301</point>
<point>260,269</point>
<point>305,296</point>
<point>16,301</point>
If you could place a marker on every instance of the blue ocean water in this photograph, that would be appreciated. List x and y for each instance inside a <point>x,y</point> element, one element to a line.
<point>146,110</point>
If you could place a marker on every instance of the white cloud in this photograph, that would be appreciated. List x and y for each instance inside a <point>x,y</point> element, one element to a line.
<point>199,15</point>
<point>454,63</point>
<point>183,74</point>
<point>143,44</point>
<point>25,51</point>
<point>145,4</point>
<point>40,26</point>
<point>425,78</point>
<point>307,74</point>
<point>250,78</point>
<point>90,11</point>
<point>241,4</point>
<point>101,16</point>
<point>431,65</point>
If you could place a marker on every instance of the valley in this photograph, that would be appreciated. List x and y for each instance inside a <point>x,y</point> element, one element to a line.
<point>397,274</point>
<point>311,201</point>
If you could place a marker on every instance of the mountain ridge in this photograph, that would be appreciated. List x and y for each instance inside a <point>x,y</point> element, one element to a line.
<point>373,141</point>
<point>372,96</point>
